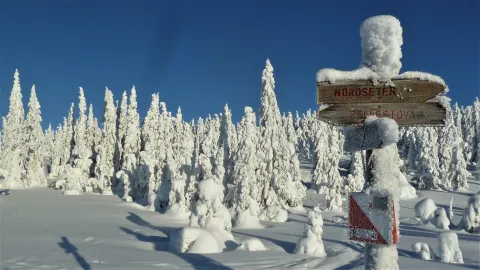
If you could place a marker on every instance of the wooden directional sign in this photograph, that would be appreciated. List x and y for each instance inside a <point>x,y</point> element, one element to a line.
<point>405,114</point>
<point>363,91</point>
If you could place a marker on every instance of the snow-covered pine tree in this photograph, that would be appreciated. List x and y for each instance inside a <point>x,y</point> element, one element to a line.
<point>69,138</point>
<point>146,186</point>
<point>458,173</point>
<point>121,125</point>
<point>105,158</point>
<point>277,174</point>
<point>457,115</point>
<point>13,155</point>
<point>412,149</point>
<point>228,143</point>
<point>35,175</point>
<point>81,149</point>
<point>326,176</point>
<point>356,172</point>
<point>58,142</point>
<point>448,139</point>
<point>245,192</point>
<point>49,149</point>
<point>469,136</point>
<point>428,172</point>
<point>290,130</point>
<point>476,108</point>
<point>91,133</point>
<point>132,144</point>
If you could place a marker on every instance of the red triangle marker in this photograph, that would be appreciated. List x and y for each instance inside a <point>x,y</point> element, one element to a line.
<point>359,220</point>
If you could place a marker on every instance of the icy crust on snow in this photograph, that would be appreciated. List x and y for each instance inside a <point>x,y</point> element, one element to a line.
<point>332,75</point>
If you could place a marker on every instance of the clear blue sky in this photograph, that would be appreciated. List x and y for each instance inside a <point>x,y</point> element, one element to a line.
<point>203,54</point>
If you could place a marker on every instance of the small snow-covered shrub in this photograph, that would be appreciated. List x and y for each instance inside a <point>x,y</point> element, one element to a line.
<point>422,250</point>
<point>251,244</point>
<point>440,219</point>
<point>311,243</point>
<point>425,209</point>
<point>194,240</point>
<point>471,216</point>
<point>449,248</point>
<point>274,213</point>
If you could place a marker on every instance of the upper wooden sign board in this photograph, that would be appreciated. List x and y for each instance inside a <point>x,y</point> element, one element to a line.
<point>364,91</point>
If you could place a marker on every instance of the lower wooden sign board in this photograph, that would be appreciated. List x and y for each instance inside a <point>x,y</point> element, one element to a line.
<point>405,114</point>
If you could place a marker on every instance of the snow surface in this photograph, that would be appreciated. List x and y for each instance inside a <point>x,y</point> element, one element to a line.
<point>103,232</point>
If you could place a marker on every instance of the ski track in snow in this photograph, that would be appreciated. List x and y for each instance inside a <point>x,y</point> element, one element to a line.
<point>43,229</point>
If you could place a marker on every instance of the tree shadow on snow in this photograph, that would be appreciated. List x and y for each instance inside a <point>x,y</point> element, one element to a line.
<point>69,248</point>
<point>197,261</point>
<point>415,231</point>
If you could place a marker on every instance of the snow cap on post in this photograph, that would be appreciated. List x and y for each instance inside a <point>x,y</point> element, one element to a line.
<point>381,45</point>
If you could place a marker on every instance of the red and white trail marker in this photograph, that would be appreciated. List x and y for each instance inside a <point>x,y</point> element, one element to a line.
<point>372,219</point>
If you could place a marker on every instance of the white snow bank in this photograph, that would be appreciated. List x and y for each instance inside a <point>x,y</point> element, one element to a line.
<point>424,210</point>
<point>422,250</point>
<point>251,244</point>
<point>194,240</point>
<point>375,133</point>
<point>449,248</point>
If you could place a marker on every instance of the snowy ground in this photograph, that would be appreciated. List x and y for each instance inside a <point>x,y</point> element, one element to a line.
<point>43,229</point>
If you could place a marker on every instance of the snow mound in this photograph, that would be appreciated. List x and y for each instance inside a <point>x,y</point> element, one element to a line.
<point>71,192</point>
<point>449,248</point>
<point>194,240</point>
<point>252,244</point>
<point>406,190</point>
<point>424,210</point>
<point>422,250</point>
<point>311,243</point>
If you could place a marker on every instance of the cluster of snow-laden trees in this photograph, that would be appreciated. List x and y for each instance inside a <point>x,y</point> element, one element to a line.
<point>441,156</point>
<point>161,160</point>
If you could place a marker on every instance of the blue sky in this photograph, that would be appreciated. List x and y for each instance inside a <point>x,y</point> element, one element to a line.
<point>201,55</point>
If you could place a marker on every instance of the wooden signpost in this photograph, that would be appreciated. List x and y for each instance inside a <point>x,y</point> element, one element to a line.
<point>405,102</point>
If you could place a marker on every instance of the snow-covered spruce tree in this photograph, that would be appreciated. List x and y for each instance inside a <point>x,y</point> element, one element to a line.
<point>48,146</point>
<point>458,173</point>
<point>132,145</point>
<point>428,171</point>
<point>58,142</point>
<point>121,125</point>
<point>412,149</point>
<point>227,142</point>
<point>469,136</point>
<point>91,133</point>
<point>356,172</point>
<point>209,150</point>
<point>448,139</point>
<point>277,174</point>
<point>146,186</point>
<point>326,176</point>
<point>35,176</point>
<point>458,118</point>
<point>13,157</point>
<point>81,150</point>
<point>244,205</point>
<point>289,127</point>
<point>165,150</point>
<point>311,243</point>
<point>476,108</point>
<point>105,158</point>
<point>69,139</point>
